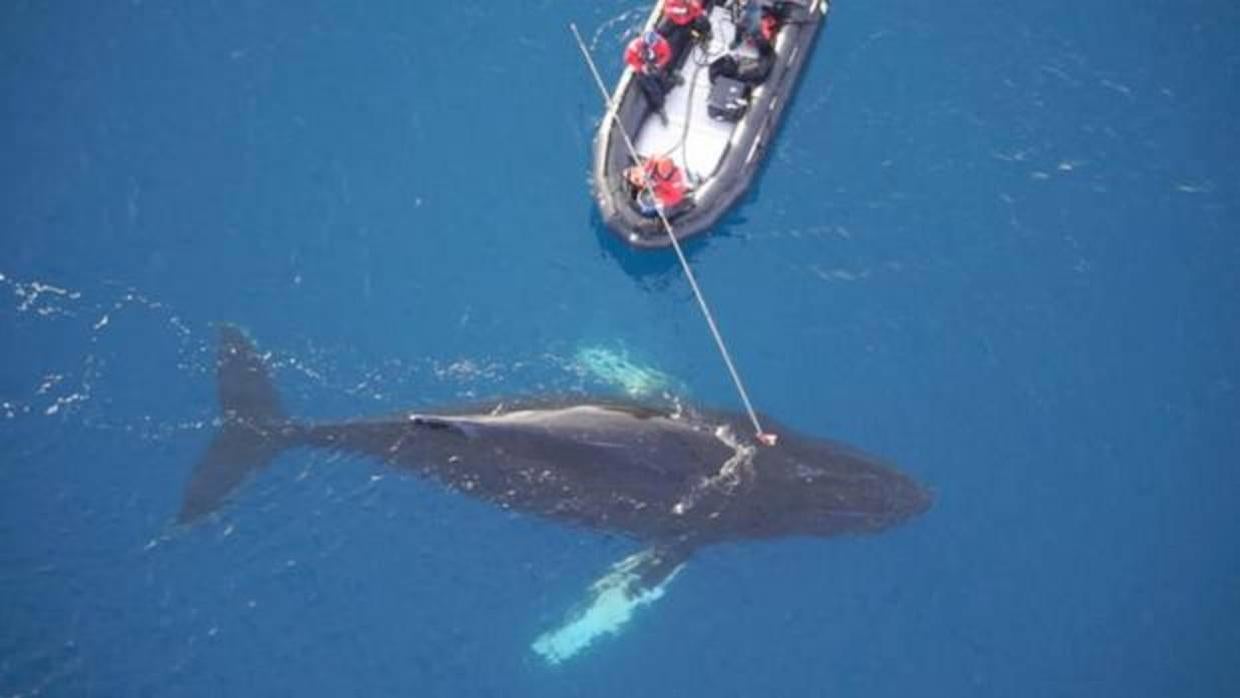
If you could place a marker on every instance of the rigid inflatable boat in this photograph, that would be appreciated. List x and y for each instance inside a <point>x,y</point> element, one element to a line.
<point>716,131</point>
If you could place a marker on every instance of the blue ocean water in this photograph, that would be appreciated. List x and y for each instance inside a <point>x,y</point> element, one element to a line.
<point>997,242</point>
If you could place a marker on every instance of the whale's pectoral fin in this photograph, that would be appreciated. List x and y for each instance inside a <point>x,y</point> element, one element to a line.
<point>637,580</point>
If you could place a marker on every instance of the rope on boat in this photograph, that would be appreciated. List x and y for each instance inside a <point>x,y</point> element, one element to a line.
<point>763,437</point>
<point>701,56</point>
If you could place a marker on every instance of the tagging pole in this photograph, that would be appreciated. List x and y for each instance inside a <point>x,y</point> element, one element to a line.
<point>763,437</point>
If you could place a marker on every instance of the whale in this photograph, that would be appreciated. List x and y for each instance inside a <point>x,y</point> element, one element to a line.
<point>673,478</point>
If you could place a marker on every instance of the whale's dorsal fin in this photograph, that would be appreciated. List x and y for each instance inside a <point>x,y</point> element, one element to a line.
<point>434,423</point>
<point>636,581</point>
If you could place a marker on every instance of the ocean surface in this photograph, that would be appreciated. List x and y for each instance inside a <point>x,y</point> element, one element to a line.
<point>997,242</point>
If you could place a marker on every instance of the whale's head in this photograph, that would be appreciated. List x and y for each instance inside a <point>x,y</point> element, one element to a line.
<point>814,487</point>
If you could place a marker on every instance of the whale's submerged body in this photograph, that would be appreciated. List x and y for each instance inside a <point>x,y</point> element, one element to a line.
<point>675,479</point>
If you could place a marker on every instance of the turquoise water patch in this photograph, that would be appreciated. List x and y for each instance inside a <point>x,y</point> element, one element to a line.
<point>616,368</point>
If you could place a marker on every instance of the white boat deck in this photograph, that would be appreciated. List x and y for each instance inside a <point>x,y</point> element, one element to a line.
<point>694,140</point>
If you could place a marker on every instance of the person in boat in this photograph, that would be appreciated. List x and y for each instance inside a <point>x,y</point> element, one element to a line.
<point>658,184</point>
<point>758,25</point>
<point>649,55</point>
<point>758,21</point>
<point>685,17</point>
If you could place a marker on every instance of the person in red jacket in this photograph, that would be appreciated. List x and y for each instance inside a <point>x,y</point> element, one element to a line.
<point>759,21</point>
<point>649,55</point>
<point>759,25</point>
<point>648,52</point>
<point>661,177</point>
<point>685,15</point>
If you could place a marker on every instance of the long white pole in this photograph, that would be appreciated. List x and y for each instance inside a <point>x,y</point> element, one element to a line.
<point>766,438</point>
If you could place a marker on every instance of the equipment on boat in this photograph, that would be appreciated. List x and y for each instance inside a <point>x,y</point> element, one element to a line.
<point>729,98</point>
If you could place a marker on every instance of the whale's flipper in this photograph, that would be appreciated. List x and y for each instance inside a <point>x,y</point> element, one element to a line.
<point>254,428</point>
<point>637,580</point>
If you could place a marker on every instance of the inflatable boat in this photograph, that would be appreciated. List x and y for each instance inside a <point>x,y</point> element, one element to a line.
<point>716,125</point>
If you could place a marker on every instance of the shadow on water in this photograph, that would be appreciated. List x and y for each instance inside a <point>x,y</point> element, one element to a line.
<point>656,269</point>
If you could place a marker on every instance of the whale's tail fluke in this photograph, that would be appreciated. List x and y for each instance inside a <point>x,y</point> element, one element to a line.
<point>254,427</point>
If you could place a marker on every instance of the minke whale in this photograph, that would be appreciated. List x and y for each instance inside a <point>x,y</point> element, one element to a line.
<point>674,478</point>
